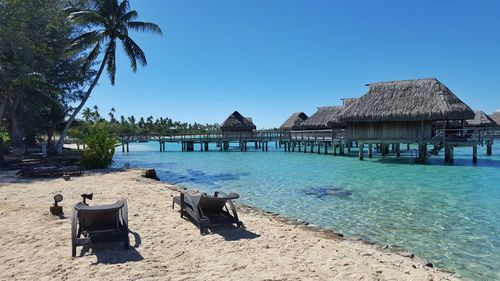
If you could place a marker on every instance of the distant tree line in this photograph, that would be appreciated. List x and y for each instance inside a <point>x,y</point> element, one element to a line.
<point>131,125</point>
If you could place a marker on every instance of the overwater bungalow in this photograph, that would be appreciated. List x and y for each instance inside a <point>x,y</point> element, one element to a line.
<point>496,117</point>
<point>294,121</point>
<point>237,123</point>
<point>321,130</point>
<point>408,111</point>
<point>481,120</point>
<point>326,117</point>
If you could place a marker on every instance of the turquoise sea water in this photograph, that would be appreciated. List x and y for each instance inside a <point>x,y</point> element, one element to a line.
<point>449,215</point>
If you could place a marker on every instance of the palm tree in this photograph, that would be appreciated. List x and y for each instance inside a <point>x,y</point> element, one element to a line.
<point>110,21</point>
<point>87,114</point>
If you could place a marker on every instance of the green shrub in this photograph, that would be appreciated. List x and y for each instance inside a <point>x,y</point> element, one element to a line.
<point>100,147</point>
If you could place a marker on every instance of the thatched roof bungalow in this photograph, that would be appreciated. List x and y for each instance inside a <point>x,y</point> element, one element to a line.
<point>403,111</point>
<point>481,120</point>
<point>496,117</point>
<point>325,118</point>
<point>294,121</point>
<point>237,123</point>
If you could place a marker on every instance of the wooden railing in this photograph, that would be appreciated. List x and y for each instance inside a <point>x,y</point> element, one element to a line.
<point>308,136</point>
<point>466,135</point>
<point>212,137</point>
<point>317,135</point>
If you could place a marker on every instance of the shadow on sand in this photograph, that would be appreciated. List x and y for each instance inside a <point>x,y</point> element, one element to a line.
<point>113,252</point>
<point>228,232</point>
<point>233,233</point>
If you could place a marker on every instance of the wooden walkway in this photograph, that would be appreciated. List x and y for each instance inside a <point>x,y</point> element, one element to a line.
<point>324,142</point>
<point>260,139</point>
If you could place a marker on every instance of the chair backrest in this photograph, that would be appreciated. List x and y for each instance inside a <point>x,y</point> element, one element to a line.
<point>214,204</point>
<point>99,217</point>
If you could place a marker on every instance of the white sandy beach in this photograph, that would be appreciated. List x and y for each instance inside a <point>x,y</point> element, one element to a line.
<point>36,245</point>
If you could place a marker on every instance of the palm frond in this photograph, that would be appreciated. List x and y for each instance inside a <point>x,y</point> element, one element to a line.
<point>129,50</point>
<point>123,8</point>
<point>86,17</point>
<point>87,40</point>
<point>144,26</point>
<point>135,51</point>
<point>92,56</point>
<point>130,16</point>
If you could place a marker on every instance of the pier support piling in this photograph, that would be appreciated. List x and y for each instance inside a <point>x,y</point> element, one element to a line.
<point>370,150</point>
<point>488,147</point>
<point>398,150</point>
<point>474,154</point>
<point>361,146</point>
<point>341,148</point>
<point>448,154</point>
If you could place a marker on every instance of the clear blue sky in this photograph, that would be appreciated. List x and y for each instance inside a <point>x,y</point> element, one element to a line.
<point>270,58</point>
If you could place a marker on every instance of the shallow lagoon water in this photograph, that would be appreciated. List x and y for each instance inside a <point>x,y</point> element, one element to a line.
<point>447,214</point>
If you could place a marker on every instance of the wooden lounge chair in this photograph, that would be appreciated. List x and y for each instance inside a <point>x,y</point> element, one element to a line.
<point>99,223</point>
<point>208,210</point>
<point>50,171</point>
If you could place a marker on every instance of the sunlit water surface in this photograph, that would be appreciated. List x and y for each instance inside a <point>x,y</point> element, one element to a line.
<point>449,215</point>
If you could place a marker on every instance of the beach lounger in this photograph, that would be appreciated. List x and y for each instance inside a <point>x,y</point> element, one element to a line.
<point>98,224</point>
<point>50,171</point>
<point>208,210</point>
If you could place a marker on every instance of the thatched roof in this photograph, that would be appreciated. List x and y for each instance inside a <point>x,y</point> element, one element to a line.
<point>481,120</point>
<point>496,117</point>
<point>407,100</point>
<point>349,101</point>
<point>237,123</point>
<point>294,121</point>
<point>325,118</point>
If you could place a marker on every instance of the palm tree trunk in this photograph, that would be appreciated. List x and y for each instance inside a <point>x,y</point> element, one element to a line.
<point>15,132</point>
<point>60,143</point>
<point>2,109</point>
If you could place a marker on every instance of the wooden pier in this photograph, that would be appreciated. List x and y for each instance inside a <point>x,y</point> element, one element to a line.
<point>332,141</point>
<point>289,140</point>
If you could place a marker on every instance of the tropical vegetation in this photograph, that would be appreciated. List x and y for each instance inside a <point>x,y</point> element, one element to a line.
<point>51,59</point>
<point>143,126</point>
<point>108,23</point>
<point>100,147</point>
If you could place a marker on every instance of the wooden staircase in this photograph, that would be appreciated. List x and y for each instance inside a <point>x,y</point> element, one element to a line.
<point>438,142</point>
